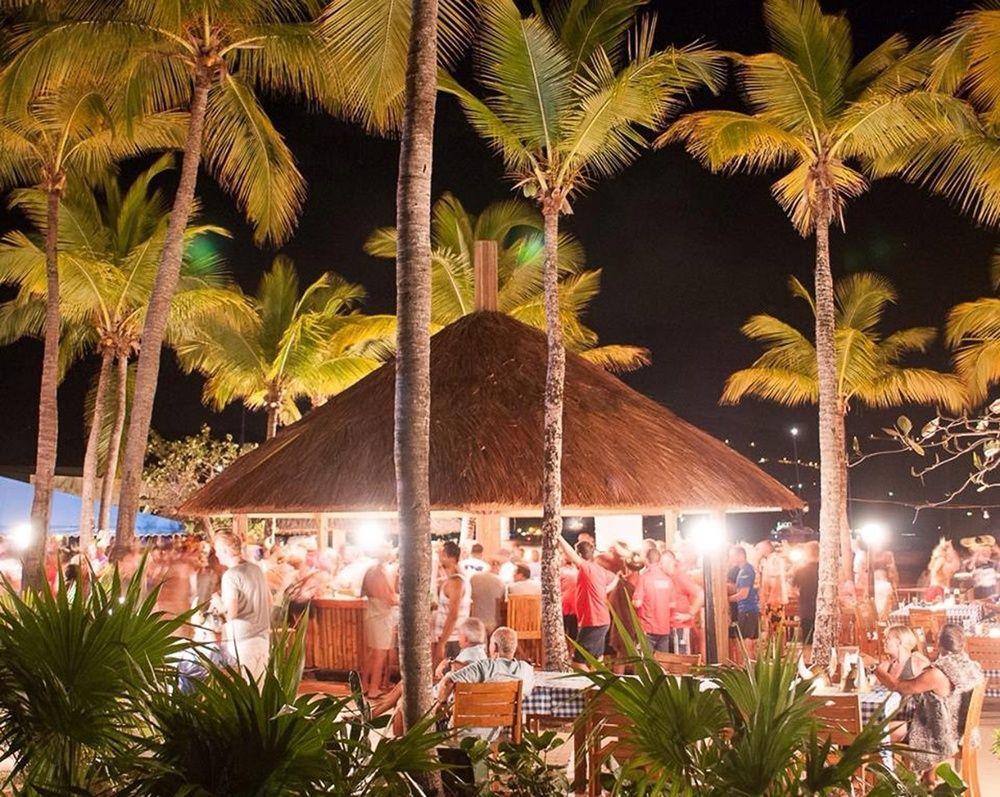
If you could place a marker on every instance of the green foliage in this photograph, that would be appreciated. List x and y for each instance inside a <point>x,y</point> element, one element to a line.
<point>518,770</point>
<point>869,367</point>
<point>819,115</point>
<point>282,345</point>
<point>175,469</point>
<point>76,676</point>
<point>517,229</point>
<point>738,731</point>
<point>230,737</point>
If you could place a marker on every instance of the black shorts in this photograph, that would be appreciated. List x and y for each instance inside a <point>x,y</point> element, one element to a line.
<point>806,626</point>
<point>592,638</point>
<point>748,624</point>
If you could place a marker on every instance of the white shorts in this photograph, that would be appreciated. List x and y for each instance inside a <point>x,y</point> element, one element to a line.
<point>250,655</point>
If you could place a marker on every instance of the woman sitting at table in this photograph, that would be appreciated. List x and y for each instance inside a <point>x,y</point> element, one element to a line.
<point>935,698</point>
<point>905,662</point>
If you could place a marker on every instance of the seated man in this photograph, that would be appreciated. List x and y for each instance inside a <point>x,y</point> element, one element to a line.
<point>501,666</point>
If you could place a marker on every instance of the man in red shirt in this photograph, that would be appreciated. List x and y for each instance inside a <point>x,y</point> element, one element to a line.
<point>654,602</point>
<point>688,600</point>
<point>593,583</point>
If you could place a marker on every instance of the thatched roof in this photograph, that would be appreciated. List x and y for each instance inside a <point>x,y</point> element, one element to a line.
<point>622,451</point>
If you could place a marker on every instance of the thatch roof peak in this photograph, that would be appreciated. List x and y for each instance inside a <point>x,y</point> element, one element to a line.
<point>623,452</point>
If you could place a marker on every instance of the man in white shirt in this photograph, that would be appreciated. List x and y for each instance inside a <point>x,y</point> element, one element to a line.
<point>475,563</point>
<point>246,604</point>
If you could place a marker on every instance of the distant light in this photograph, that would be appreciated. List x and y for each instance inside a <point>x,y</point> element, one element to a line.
<point>753,444</point>
<point>708,536</point>
<point>795,431</point>
<point>969,513</point>
<point>796,555</point>
<point>373,536</point>
<point>891,493</point>
<point>22,536</point>
<point>873,534</point>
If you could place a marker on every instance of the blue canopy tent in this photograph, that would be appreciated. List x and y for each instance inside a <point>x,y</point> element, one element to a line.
<point>15,510</point>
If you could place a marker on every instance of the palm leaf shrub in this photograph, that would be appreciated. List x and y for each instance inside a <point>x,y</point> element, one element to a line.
<point>76,673</point>
<point>231,737</point>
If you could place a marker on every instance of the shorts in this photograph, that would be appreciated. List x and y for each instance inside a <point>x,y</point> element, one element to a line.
<point>806,626</point>
<point>660,642</point>
<point>592,638</point>
<point>681,640</point>
<point>748,624</point>
<point>570,625</point>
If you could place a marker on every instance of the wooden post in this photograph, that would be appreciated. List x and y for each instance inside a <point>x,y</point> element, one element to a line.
<point>240,526</point>
<point>485,275</point>
<point>720,594</point>
<point>670,518</point>
<point>489,530</point>
<point>320,523</point>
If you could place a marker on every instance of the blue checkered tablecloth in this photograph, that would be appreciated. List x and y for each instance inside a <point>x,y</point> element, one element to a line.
<point>964,614</point>
<point>992,677</point>
<point>557,695</point>
<point>874,701</point>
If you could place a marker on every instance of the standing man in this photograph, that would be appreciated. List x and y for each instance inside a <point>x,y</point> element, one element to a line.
<point>806,580</point>
<point>744,594</point>
<point>689,597</point>
<point>654,602</point>
<point>773,586</point>
<point>246,604</point>
<point>593,583</point>
<point>475,563</point>
<point>487,590</point>
<point>454,603</point>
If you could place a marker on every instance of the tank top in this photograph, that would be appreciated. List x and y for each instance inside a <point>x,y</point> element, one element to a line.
<point>444,606</point>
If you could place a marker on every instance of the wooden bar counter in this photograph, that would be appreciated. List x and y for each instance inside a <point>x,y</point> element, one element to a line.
<point>335,639</point>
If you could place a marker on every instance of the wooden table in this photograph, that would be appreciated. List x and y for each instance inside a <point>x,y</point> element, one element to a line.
<point>335,639</point>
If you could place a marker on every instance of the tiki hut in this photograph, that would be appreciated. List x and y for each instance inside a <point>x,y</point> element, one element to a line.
<point>623,454</point>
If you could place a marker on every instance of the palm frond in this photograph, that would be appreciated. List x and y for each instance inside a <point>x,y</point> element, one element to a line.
<point>617,358</point>
<point>251,160</point>
<point>788,388</point>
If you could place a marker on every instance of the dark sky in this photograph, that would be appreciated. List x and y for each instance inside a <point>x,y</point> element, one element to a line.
<point>687,257</point>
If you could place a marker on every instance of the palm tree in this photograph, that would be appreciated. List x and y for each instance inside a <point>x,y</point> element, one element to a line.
<point>387,55</point>
<point>282,346</point>
<point>963,165</point>
<point>516,227</point>
<point>212,59</point>
<point>567,94</point>
<point>868,363</point>
<point>71,130</point>
<point>973,332</point>
<point>814,108</point>
<point>109,243</point>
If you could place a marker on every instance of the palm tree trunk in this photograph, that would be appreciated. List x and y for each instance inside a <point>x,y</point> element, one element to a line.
<point>90,458</point>
<point>162,294</point>
<point>33,560</point>
<point>272,422</point>
<point>831,491</point>
<point>115,442</point>
<point>413,388</point>
<point>553,636</point>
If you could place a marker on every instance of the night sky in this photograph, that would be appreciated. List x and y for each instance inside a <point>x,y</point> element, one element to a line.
<point>687,257</point>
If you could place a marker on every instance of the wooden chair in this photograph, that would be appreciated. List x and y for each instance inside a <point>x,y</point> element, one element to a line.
<point>490,705</point>
<point>607,737</point>
<point>985,650</point>
<point>678,663</point>
<point>929,621</point>
<point>839,716</point>
<point>524,615</point>
<point>967,758</point>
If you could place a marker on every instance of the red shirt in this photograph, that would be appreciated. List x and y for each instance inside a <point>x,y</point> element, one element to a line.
<point>567,587</point>
<point>685,591</point>
<point>592,583</point>
<point>654,593</point>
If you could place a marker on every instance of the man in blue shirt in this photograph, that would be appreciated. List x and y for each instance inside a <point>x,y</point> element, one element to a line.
<point>743,593</point>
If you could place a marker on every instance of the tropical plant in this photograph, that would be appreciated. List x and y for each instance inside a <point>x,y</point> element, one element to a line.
<point>78,672</point>
<point>282,345</point>
<point>816,109</point>
<point>516,227</point>
<point>175,469</point>
<point>69,130</point>
<point>753,733</point>
<point>869,367</point>
<point>109,241</point>
<point>211,59</point>
<point>568,90</point>
<point>226,735</point>
<point>963,165</point>
<point>973,332</point>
